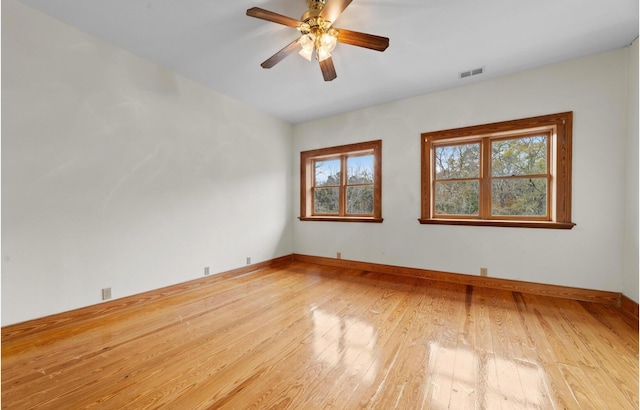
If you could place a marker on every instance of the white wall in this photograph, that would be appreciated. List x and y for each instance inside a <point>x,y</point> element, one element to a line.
<point>630,279</point>
<point>118,173</point>
<point>588,256</point>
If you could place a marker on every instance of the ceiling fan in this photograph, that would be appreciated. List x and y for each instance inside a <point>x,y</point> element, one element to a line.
<point>317,34</point>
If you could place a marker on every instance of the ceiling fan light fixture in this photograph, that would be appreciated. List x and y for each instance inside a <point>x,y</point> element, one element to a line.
<point>308,44</point>
<point>307,41</point>
<point>323,53</point>
<point>307,53</point>
<point>329,39</point>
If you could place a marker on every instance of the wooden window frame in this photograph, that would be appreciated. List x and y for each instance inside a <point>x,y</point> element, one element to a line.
<point>307,176</point>
<point>559,165</point>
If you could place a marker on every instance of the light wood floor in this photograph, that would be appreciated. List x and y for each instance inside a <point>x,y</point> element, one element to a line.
<point>306,336</point>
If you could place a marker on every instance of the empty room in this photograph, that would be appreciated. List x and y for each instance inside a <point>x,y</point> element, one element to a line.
<point>314,204</point>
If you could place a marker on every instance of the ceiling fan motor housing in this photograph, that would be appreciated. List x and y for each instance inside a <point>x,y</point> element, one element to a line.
<point>315,8</point>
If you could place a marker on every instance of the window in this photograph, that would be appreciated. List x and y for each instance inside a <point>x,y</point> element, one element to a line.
<point>515,173</point>
<point>342,183</point>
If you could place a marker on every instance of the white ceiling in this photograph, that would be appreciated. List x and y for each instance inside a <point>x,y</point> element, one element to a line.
<point>214,43</point>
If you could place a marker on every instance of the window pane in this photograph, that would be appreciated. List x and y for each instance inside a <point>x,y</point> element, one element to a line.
<point>519,196</point>
<point>325,201</point>
<point>360,199</point>
<point>457,161</point>
<point>360,170</point>
<point>519,156</point>
<point>327,172</point>
<point>457,197</point>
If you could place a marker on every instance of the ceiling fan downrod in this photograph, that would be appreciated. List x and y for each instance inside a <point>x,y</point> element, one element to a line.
<point>316,4</point>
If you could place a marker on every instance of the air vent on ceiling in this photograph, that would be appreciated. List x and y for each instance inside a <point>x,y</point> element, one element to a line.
<point>470,73</point>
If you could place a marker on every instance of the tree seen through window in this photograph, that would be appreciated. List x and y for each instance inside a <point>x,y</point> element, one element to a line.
<point>358,185</point>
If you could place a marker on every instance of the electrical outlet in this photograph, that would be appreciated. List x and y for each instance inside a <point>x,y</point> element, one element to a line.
<point>339,255</point>
<point>206,270</point>
<point>248,260</point>
<point>484,272</point>
<point>106,293</point>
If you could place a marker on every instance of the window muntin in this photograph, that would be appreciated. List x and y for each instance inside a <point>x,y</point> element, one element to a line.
<point>516,173</point>
<point>342,183</point>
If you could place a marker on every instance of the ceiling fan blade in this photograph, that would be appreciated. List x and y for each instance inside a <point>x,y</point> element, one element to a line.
<point>263,14</point>
<point>370,41</point>
<point>280,55</point>
<point>333,8</point>
<point>328,70</point>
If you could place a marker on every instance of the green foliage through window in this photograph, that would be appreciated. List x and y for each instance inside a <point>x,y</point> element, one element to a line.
<point>457,197</point>
<point>519,196</point>
<point>519,168</point>
<point>519,156</point>
<point>359,185</point>
<point>457,161</point>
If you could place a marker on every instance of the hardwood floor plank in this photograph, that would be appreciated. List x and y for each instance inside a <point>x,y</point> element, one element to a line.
<point>256,357</point>
<point>464,388</point>
<point>524,355</point>
<point>615,326</point>
<point>599,344</point>
<point>424,338</point>
<point>248,350</point>
<point>559,393</point>
<point>390,387</point>
<point>300,335</point>
<point>410,384</point>
<point>324,354</point>
<point>444,351</point>
<point>506,367</point>
<point>581,388</point>
<point>371,364</point>
<point>487,387</point>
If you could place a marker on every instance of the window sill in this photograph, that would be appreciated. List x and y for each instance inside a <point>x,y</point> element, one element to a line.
<point>341,219</point>
<point>500,223</point>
